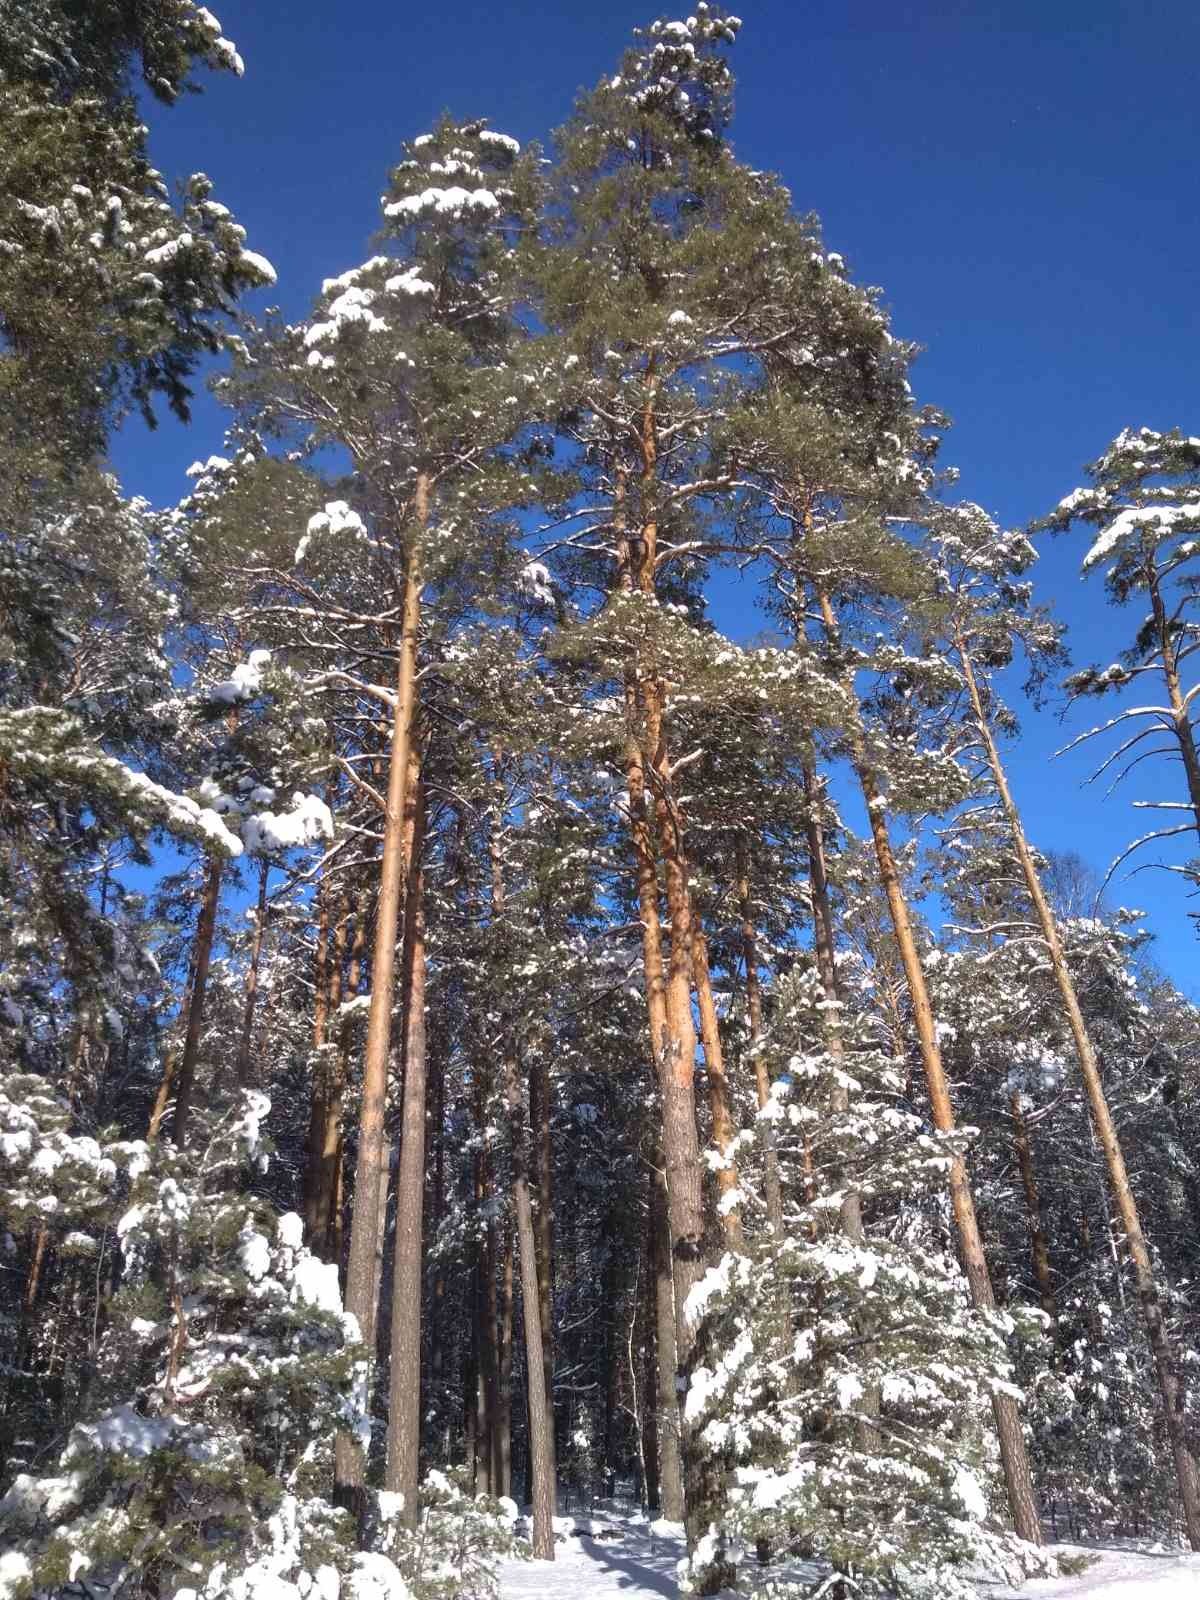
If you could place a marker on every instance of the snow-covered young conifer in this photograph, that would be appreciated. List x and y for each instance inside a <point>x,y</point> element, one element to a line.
<point>847,1379</point>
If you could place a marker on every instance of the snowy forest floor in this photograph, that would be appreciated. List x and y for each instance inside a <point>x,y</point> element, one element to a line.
<point>608,1554</point>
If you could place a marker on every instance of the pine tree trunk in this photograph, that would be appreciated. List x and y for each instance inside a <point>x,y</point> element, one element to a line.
<point>670,1462</point>
<point>485,1398</point>
<point>766,1127</point>
<point>485,1304</point>
<point>1013,1454</point>
<point>251,996</point>
<point>1165,1359</point>
<point>831,991</point>
<point>206,927</point>
<point>504,1369</point>
<point>162,1099</point>
<point>648,1411</point>
<point>318,1104</point>
<point>333,1174</point>
<point>402,1473</point>
<point>723,1126</point>
<point>669,1003</point>
<point>543,1224</point>
<point>34,1280</point>
<point>330,1070</point>
<point>437,1357</point>
<point>364,1230</point>
<point>1039,1249</point>
<point>541,1415</point>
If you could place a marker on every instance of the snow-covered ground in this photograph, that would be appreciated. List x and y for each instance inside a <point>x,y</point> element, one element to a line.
<point>603,1556</point>
<point>1116,1575</point>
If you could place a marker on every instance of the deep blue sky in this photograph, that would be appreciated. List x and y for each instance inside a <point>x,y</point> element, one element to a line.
<point>1019,177</point>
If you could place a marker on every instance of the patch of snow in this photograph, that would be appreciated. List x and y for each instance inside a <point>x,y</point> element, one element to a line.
<point>451,202</point>
<point>259,266</point>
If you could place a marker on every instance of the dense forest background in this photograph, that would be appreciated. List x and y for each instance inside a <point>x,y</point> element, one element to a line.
<point>476,1026</point>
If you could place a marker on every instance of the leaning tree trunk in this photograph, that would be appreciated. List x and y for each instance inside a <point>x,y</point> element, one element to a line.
<point>1013,1455</point>
<point>360,1296</point>
<point>1165,1360</point>
<point>402,1471</point>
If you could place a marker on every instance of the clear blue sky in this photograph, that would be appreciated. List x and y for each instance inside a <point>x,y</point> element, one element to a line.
<point>1019,177</point>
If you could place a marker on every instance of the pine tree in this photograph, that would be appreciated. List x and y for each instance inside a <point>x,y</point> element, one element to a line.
<point>1142,499</point>
<point>980,569</point>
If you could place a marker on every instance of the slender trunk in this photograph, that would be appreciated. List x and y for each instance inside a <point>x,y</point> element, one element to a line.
<point>724,1129</point>
<point>541,1416</point>
<point>485,1303</point>
<point>1013,1454</point>
<point>504,1368</point>
<point>251,997</point>
<point>33,1282</point>
<point>648,1413</point>
<point>404,1394</point>
<point>437,1358</point>
<point>332,1164</point>
<point>314,1211</point>
<point>543,1225</point>
<point>163,1098</point>
<point>824,949</point>
<point>470,1392</point>
<point>1165,1360</point>
<point>670,1462</point>
<point>1033,1208</point>
<point>205,932</point>
<point>762,1082</point>
<point>364,1230</point>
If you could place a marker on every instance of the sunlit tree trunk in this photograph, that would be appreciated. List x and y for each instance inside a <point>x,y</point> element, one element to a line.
<point>1013,1454</point>
<point>1165,1360</point>
<point>360,1298</point>
<point>402,1472</point>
